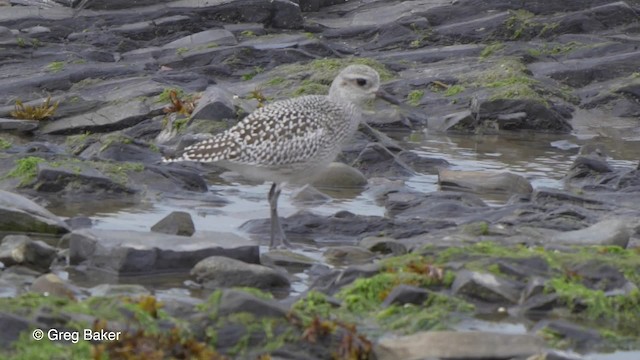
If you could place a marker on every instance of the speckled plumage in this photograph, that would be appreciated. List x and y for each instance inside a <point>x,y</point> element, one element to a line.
<point>281,138</point>
<point>291,140</point>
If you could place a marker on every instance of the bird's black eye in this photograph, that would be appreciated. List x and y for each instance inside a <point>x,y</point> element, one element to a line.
<point>361,81</point>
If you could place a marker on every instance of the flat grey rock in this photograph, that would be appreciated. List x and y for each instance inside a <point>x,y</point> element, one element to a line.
<point>458,345</point>
<point>176,223</point>
<point>486,287</point>
<point>18,125</point>
<point>133,252</point>
<point>19,214</point>
<point>213,37</point>
<point>219,271</point>
<point>606,232</point>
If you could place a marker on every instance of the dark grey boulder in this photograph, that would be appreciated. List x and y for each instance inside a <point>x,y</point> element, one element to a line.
<point>75,179</point>
<point>111,117</point>
<point>383,245</point>
<point>235,301</point>
<point>11,327</point>
<point>219,271</point>
<point>348,255</point>
<point>486,287</point>
<point>376,160</point>
<point>131,252</point>
<point>516,114</point>
<point>287,259</point>
<point>19,214</point>
<point>482,182</point>
<point>212,37</point>
<point>330,283</point>
<point>406,294</point>
<point>18,125</point>
<point>216,103</point>
<point>176,223</point>
<point>21,250</point>
<point>580,337</point>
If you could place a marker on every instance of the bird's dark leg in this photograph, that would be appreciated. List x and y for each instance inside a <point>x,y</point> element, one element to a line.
<point>278,238</point>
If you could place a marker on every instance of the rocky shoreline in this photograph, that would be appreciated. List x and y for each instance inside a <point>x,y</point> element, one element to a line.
<point>103,89</point>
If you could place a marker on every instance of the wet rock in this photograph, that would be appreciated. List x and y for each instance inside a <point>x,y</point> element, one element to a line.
<point>346,255</point>
<point>536,306</point>
<point>131,252</point>
<point>219,271</point>
<point>214,37</point>
<point>524,268</point>
<point>76,179</point>
<point>309,195</point>
<point>332,282</point>
<point>120,148</point>
<point>176,223</point>
<point>457,345</point>
<point>20,249</point>
<point>340,226</point>
<point>376,160</point>
<point>112,117</point>
<point>286,259</point>
<point>79,222</point>
<point>19,214</point>
<point>581,338</point>
<point>480,182</point>
<point>131,290</point>
<point>18,125</point>
<point>52,285</point>
<point>216,103</point>
<point>236,301</point>
<point>589,170</point>
<point>339,175</point>
<point>422,164</point>
<point>435,205</point>
<point>406,294</point>
<point>486,287</point>
<point>11,326</point>
<point>581,72</point>
<point>165,178</point>
<point>606,232</point>
<point>505,114</point>
<point>383,245</point>
<point>535,286</point>
<point>598,276</point>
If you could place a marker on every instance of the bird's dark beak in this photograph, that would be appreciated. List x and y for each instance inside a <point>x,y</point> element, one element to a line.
<point>387,97</point>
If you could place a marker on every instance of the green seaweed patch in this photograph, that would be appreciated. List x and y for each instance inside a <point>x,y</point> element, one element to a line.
<point>315,304</point>
<point>263,334</point>
<point>55,66</point>
<point>595,304</point>
<point>454,90</point>
<point>491,49</point>
<point>366,295</point>
<point>617,314</point>
<point>434,314</point>
<point>28,349</point>
<point>26,169</point>
<point>255,292</point>
<point>507,79</point>
<point>414,97</point>
<point>5,144</point>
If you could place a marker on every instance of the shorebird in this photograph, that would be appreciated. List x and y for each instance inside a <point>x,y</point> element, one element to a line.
<point>293,140</point>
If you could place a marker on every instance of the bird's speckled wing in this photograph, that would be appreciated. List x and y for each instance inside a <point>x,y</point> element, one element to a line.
<point>282,133</point>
